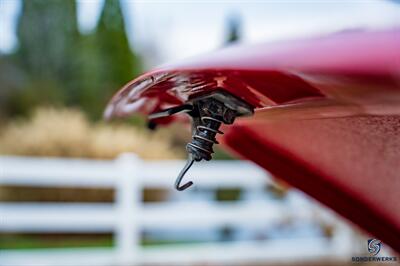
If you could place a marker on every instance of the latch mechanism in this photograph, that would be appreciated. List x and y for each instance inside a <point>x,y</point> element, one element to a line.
<point>208,112</point>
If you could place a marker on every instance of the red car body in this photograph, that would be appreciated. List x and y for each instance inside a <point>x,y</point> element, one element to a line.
<point>327,116</point>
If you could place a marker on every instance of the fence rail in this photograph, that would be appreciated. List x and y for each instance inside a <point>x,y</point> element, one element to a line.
<point>127,216</point>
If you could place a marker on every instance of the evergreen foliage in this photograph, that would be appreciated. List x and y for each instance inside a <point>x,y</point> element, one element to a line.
<point>233,29</point>
<point>59,66</point>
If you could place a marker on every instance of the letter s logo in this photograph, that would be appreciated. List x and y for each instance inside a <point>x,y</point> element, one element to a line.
<point>374,246</point>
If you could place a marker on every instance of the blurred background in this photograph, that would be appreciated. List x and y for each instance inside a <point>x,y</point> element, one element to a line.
<point>62,60</point>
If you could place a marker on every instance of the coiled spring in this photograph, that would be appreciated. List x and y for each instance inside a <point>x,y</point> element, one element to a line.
<point>206,135</point>
<point>201,146</point>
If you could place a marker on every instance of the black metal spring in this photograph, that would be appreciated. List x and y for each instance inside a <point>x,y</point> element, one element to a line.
<point>200,147</point>
<point>207,137</point>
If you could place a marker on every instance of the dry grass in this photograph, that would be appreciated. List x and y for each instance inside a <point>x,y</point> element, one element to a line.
<point>68,133</point>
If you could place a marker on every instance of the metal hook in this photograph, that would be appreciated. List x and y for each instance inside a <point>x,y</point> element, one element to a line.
<point>178,181</point>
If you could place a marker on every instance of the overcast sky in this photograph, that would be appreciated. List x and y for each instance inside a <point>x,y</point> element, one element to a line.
<point>177,29</point>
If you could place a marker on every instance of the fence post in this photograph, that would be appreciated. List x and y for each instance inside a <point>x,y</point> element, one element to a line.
<point>127,201</point>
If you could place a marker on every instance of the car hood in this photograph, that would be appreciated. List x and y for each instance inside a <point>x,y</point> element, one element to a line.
<point>327,116</point>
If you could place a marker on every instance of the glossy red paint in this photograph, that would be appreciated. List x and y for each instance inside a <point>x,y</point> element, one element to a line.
<point>327,116</point>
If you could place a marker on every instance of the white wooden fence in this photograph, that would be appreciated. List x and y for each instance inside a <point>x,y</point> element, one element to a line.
<point>127,216</point>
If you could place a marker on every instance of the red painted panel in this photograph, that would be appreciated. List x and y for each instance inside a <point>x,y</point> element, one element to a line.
<point>350,164</point>
<point>327,116</point>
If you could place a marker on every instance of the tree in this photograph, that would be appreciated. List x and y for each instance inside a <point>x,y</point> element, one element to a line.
<point>233,29</point>
<point>114,44</point>
<point>47,34</point>
<point>59,66</point>
<point>108,61</point>
<point>41,71</point>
